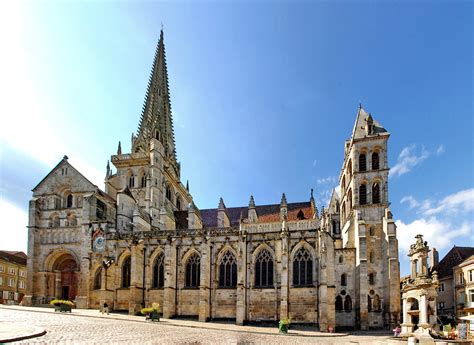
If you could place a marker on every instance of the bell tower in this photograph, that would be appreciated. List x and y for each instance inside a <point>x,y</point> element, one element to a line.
<point>366,221</point>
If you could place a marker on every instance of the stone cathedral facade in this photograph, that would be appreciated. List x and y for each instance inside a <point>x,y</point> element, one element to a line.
<point>143,239</point>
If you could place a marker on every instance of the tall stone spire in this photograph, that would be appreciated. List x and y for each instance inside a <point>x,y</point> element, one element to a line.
<point>156,120</point>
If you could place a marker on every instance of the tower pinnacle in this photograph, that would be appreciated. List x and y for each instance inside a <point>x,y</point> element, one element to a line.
<point>156,120</point>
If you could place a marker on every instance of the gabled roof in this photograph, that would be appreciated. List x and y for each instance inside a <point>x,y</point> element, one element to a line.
<point>359,132</point>
<point>63,162</point>
<point>265,213</point>
<point>14,257</point>
<point>453,258</point>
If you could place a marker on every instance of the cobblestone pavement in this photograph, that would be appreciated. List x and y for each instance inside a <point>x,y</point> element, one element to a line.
<point>72,329</point>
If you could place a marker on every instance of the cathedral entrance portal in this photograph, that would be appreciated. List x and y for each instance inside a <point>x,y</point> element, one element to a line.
<point>65,271</point>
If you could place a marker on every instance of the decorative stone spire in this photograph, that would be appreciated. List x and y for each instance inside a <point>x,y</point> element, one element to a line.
<point>223,220</point>
<point>283,208</point>
<point>313,203</point>
<point>283,200</point>
<point>251,202</point>
<point>156,120</point>
<point>252,211</point>
<point>109,172</point>
<point>221,204</point>
<point>119,149</point>
<point>187,185</point>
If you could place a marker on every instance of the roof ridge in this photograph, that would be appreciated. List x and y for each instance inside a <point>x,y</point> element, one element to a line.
<point>237,207</point>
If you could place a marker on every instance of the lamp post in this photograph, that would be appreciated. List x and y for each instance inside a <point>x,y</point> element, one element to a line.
<point>106,263</point>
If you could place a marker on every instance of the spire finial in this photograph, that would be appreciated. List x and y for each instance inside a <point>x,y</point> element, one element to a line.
<point>251,202</point>
<point>283,200</point>
<point>187,185</point>
<point>119,149</point>
<point>360,105</point>
<point>221,204</point>
<point>312,196</point>
<point>108,170</point>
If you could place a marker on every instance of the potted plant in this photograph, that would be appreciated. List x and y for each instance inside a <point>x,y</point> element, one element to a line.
<point>62,305</point>
<point>152,313</point>
<point>284,325</point>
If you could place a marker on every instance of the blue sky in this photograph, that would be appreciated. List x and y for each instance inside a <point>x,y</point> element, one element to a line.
<point>263,96</point>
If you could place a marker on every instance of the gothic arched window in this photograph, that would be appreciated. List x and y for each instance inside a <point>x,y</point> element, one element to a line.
<point>369,303</point>
<point>228,270</point>
<point>193,271</point>
<point>362,162</point>
<point>72,220</point>
<point>371,279</point>
<point>300,215</point>
<point>302,268</point>
<point>143,181</point>
<point>343,279</point>
<point>178,203</point>
<point>158,272</point>
<point>341,259</point>
<point>55,221</point>
<point>376,193</point>
<point>371,257</point>
<point>348,303</point>
<point>362,194</point>
<point>168,192</point>
<point>131,181</point>
<point>264,269</point>
<point>126,272</point>
<point>375,161</point>
<point>339,305</point>
<point>69,201</point>
<point>98,279</point>
<point>376,306</point>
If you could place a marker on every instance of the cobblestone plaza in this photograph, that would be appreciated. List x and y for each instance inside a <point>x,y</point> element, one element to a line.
<point>88,329</point>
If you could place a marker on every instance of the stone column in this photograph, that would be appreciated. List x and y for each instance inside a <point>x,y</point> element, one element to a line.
<point>136,280</point>
<point>169,292</point>
<point>284,299</point>
<point>407,326</point>
<point>57,284</point>
<point>241,307</point>
<point>423,311</point>
<point>204,288</point>
<point>28,299</point>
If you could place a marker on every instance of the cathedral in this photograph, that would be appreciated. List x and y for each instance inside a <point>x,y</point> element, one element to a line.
<point>143,239</point>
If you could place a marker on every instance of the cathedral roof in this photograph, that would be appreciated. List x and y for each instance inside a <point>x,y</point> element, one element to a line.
<point>62,163</point>
<point>453,258</point>
<point>266,213</point>
<point>359,130</point>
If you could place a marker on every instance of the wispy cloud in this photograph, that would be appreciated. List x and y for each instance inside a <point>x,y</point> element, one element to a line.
<point>439,233</point>
<point>442,222</point>
<point>326,180</point>
<point>411,156</point>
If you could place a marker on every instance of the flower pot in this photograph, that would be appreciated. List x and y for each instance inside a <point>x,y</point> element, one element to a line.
<point>155,316</point>
<point>65,308</point>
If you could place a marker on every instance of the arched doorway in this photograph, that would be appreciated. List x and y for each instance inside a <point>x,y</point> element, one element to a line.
<point>63,271</point>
